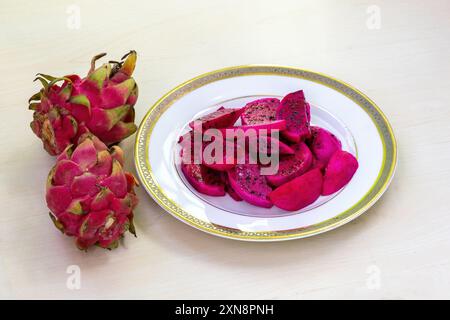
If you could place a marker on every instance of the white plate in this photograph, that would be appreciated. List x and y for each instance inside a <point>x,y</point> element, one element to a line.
<point>354,118</point>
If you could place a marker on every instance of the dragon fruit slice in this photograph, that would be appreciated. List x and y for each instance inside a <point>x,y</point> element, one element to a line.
<point>339,171</point>
<point>203,179</point>
<point>227,162</point>
<point>282,147</point>
<point>250,185</point>
<point>221,118</point>
<point>295,110</point>
<point>292,166</point>
<point>298,193</point>
<point>260,111</point>
<point>229,189</point>
<point>323,144</point>
<point>269,126</point>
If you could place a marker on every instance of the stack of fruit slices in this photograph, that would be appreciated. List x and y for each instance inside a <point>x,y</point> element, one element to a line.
<point>311,160</point>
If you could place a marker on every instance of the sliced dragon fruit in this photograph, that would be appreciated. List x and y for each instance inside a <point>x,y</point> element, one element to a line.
<point>282,147</point>
<point>203,179</point>
<point>323,144</point>
<point>292,166</point>
<point>221,118</point>
<point>339,171</point>
<point>295,111</point>
<point>298,193</point>
<point>269,126</point>
<point>260,111</point>
<point>250,185</point>
<point>229,189</point>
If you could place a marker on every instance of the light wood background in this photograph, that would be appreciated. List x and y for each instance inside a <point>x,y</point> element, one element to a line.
<point>398,249</point>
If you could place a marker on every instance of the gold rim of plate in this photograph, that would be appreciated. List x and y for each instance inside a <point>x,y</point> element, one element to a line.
<point>378,188</point>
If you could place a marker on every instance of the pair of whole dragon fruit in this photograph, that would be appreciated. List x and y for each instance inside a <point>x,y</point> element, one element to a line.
<point>311,159</point>
<point>80,120</point>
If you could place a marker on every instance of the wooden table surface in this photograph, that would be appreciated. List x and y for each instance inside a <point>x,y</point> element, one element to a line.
<point>397,52</point>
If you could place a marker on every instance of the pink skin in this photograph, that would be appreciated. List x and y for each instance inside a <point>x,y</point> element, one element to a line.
<point>246,181</point>
<point>63,113</point>
<point>260,111</point>
<point>58,198</point>
<point>65,172</point>
<point>88,185</point>
<point>298,193</point>
<point>323,144</point>
<point>221,118</point>
<point>339,171</point>
<point>85,184</point>
<point>292,166</point>
<point>295,111</point>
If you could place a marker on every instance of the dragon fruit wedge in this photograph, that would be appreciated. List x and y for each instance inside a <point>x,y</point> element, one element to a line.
<point>298,193</point>
<point>260,111</point>
<point>229,189</point>
<point>102,103</point>
<point>250,185</point>
<point>221,118</point>
<point>203,179</point>
<point>89,194</point>
<point>291,166</point>
<point>296,111</point>
<point>339,171</point>
<point>268,126</point>
<point>323,144</point>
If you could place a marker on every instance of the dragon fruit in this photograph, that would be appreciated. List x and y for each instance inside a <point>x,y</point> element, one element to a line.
<point>339,171</point>
<point>269,126</point>
<point>260,111</point>
<point>101,103</point>
<point>299,192</point>
<point>221,118</point>
<point>296,111</point>
<point>229,189</point>
<point>250,185</point>
<point>227,161</point>
<point>89,194</point>
<point>310,153</point>
<point>292,166</point>
<point>203,179</point>
<point>323,145</point>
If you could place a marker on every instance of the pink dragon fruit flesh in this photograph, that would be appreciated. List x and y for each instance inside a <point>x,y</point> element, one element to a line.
<point>203,179</point>
<point>292,166</point>
<point>323,144</point>
<point>229,189</point>
<point>299,192</point>
<point>295,111</point>
<point>250,185</point>
<point>221,118</point>
<point>269,126</point>
<point>260,111</point>
<point>339,171</point>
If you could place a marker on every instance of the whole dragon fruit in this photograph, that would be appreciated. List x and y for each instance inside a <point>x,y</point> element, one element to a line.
<point>101,103</point>
<point>89,194</point>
